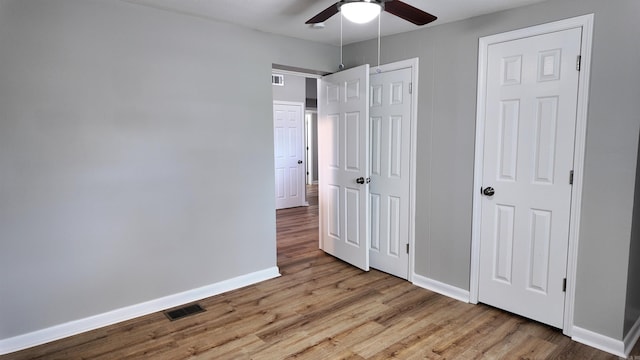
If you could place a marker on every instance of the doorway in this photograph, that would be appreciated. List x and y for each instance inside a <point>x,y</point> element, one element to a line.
<point>295,142</point>
<point>311,139</point>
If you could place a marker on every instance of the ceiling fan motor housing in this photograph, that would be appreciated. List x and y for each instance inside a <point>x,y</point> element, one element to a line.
<point>380,3</point>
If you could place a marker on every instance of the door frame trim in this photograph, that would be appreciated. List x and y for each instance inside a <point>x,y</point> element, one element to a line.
<point>586,23</point>
<point>412,64</point>
<point>304,201</point>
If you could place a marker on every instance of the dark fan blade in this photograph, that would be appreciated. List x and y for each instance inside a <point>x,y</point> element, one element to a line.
<point>324,15</point>
<point>408,12</point>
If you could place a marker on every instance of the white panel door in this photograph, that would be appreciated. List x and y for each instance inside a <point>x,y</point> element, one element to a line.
<point>288,143</point>
<point>343,165</point>
<point>532,87</point>
<point>390,114</point>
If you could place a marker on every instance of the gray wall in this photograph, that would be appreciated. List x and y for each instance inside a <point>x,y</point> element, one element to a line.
<point>311,88</point>
<point>446,126</point>
<point>293,89</point>
<point>312,92</point>
<point>130,141</point>
<point>633,282</point>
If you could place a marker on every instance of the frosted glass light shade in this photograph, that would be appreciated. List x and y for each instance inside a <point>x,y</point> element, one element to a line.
<point>360,12</point>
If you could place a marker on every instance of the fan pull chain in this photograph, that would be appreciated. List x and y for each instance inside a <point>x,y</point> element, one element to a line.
<point>341,66</point>
<point>378,69</point>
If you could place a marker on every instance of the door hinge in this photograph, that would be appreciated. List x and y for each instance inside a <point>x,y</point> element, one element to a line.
<point>407,248</point>
<point>578,62</point>
<point>564,285</point>
<point>571,177</point>
<point>410,88</point>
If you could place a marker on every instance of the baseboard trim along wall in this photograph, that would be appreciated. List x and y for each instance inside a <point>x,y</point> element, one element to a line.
<point>599,341</point>
<point>57,332</point>
<point>632,337</point>
<point>441,288</point>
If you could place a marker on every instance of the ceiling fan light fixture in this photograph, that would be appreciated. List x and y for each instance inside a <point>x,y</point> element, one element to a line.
<point>360,12</point>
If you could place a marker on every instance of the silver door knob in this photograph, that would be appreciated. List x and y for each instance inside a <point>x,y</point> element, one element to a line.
<point>489,191</point>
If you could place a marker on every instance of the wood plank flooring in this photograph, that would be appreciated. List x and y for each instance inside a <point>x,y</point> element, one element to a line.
<point>322,308</point>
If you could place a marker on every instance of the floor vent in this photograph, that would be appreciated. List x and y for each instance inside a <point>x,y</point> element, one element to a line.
<point>185,311</point>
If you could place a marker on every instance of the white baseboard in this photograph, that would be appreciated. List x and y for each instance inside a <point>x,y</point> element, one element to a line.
<point>599,341</point>
<point>632,337</point>
<point>441,288</point>
<point>57,332</point>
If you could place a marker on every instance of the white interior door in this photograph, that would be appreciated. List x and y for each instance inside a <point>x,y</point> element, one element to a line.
<point>288,142</point>
<point>531,97</point>
<point>390,114</point>
<point>343,165</point>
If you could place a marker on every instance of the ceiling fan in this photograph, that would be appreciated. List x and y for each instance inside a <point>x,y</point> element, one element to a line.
<point>395,7</point>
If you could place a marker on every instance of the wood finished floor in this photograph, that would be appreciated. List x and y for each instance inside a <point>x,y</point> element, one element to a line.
<point>321,308</point>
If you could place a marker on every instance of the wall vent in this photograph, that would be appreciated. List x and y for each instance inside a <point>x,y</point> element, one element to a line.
<point>185,311</point>
<point>277,79</point>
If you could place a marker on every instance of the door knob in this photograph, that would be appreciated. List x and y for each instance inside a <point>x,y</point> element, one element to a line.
<point>360,180</point>
<point>299,161</point>
<point>489,191</point>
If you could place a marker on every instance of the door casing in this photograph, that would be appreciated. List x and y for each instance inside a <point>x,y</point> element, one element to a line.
<point>586,23</point>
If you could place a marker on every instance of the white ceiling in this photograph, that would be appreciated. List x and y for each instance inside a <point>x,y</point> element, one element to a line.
<point>287,17</point>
